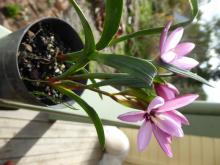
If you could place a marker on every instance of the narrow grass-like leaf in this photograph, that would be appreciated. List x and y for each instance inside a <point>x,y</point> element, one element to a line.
<point>88,109</point>
<point>89,38</point>
<point>184,73</point>
<point>194,10</point>
<point>73,56</point>
<point>127,81</point>
<point>116,79</point>
<point>99,75</point>
<point>113,12</point>
<point>93,81</point>
<point>136,67</point>
<point>80,64</point>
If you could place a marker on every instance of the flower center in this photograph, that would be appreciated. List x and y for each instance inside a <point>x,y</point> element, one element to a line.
<point>148,116</point>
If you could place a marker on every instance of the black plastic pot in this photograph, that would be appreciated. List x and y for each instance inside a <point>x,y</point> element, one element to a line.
<point>12,86</point>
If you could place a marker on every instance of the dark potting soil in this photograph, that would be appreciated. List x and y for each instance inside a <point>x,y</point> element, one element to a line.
<point>37,61</point>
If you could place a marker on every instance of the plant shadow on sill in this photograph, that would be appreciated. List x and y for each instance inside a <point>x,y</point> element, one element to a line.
<point>20,144</point>
<point>35,137</point>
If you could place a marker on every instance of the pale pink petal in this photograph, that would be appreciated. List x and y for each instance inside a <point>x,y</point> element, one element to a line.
<point>178,102</point>
<point>183,119</point>
<point>155,103</point>
<point>173,88</point>
<point>163,36</point>
<point>185,63</point>
<point>163,91</point>
<point>132,116</point>
<point>144,135</point>
<point>173,39</point>
<point>184,48</point>
<point>166,91</point>
<point>168,56</point>
<point>164,140</point>
<point>168,125</point>
<point>177,116</point>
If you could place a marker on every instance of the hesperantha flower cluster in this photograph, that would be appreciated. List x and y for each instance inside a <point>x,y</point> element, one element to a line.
<point>161,117</point>
<point>173,52</point>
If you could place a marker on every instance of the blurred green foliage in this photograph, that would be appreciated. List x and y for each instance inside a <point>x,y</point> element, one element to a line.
<point>12,10</point>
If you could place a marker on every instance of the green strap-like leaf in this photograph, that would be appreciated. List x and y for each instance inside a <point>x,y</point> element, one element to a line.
<point>88,109</point>
<point>117,79</point>
<point>93,81</point>
<point>100,75</point>
<point>75,68</point>
<point>128,81</point>
<point>185,73</point>
<point>89,38</point>
<point>113,12</point>
<point>194,9</point>
<point>74,56</point>
<point>136,67</point>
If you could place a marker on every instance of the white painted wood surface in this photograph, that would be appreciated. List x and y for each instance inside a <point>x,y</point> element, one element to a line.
<point>28,137</point>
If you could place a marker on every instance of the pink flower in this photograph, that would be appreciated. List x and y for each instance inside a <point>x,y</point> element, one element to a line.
<point>162,120</point>
<point>166,91</point>
<point>173,52</point>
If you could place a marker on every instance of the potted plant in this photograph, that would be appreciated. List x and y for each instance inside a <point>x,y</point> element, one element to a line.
<point>30,53</point>
<point>144,88</point>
